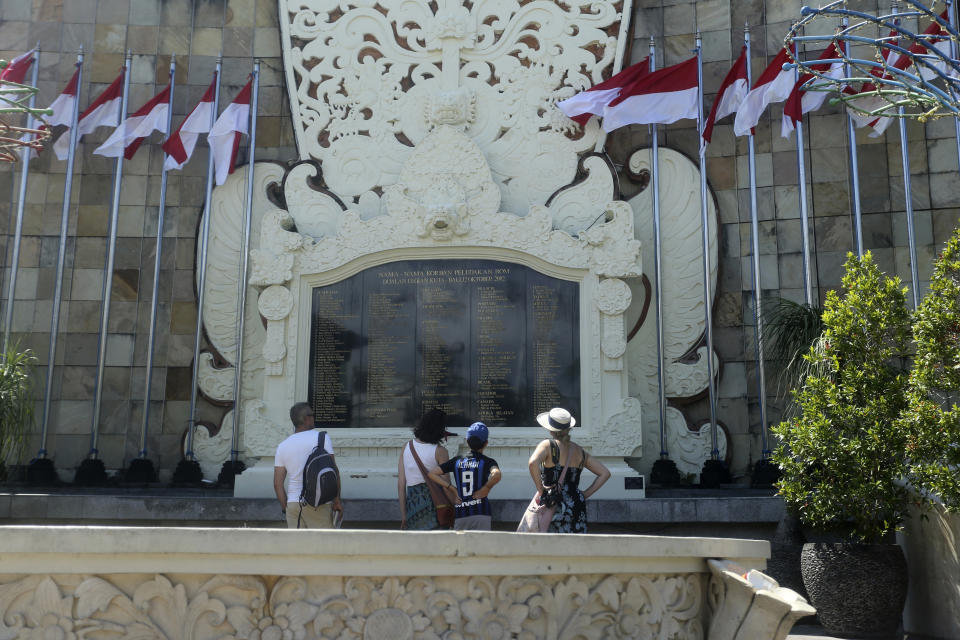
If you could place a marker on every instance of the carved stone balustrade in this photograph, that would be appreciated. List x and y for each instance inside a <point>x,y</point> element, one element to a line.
<point>111,582</point>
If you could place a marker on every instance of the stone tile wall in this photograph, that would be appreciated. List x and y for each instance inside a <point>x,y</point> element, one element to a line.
<point>195,31</point>
<point>933,169</point>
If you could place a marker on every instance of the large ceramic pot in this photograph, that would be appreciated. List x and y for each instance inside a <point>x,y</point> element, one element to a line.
<point>858,589</point>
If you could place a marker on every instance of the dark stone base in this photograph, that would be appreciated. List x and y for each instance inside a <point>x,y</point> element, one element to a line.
<point>714,474</point>
<point>42,472</point>
<point>858,590</point>
<point>765,474</point>
<point>140,471</point>
<point>229,472</point>
<point>665,473</point>
<point>91,473</point>
<point>188,474</point>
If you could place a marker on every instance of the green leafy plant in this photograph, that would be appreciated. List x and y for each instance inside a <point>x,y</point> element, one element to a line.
<point>16,403</point>
<point>843,456</point>
<point>933,417</point>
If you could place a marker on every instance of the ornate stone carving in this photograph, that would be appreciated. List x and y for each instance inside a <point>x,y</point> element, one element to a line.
<point>212,450</point>
<point>216,384</point>
<point>690,447</point>
<point>197,607</point>
<point>616,436</point>
<point>684,361</point>
<point>613,296</point>
<point>275,305</point>
<point>576,207</point>
<point>360,79</point>
<point>315,211</point>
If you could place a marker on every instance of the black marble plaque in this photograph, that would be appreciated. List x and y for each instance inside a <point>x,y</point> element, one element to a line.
<point>480,339</point>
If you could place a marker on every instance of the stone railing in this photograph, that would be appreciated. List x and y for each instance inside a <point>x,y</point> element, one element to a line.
<point>181,583</point>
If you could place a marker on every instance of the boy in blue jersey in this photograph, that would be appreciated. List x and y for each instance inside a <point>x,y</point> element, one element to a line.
<point>474,476</point>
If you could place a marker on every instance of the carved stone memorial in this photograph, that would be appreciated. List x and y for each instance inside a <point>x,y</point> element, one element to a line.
<point>446,239</point>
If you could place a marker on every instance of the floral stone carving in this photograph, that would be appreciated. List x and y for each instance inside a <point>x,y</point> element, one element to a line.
<point>198,607</point>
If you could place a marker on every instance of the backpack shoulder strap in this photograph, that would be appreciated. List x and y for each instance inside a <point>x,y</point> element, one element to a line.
<point>554,452</point>
<point>322,440</point>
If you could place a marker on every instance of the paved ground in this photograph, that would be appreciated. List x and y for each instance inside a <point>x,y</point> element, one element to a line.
<point>812,632</point>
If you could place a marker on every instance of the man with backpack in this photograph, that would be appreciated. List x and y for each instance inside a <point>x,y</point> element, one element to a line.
<point>308,500</point>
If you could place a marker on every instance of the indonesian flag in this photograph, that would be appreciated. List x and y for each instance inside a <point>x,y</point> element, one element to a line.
<point>659,97</point>
<point>127,137</point>
<point>773,85</point>
<point>733,90</point>
<point>64,105</point>
<point>16,71</point>
<point>179,147</point>
<point>591,102</point>
<point>802,101</point>
<point>224,137</point>
<point>102,112</point>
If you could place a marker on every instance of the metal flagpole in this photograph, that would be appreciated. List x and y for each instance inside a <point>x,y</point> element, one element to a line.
<point>952,13</point>
<point>755,263</point>
<point>155,299</point>
<point>18,233</point>
<point>804,218</point>
<point>657,268</point>
<point>664,470</point>
<point>244,265</point>
<point>705,224</point>
<point>61,259</point>
<point>854,162</point>
<point>908,201</point>
<point>108,280</point>
<point>202,269</point>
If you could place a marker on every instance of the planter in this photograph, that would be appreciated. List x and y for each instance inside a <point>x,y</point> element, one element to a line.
<point>858,589</point>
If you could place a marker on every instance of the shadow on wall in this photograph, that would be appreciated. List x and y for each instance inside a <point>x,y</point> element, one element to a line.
<point>932,547</point>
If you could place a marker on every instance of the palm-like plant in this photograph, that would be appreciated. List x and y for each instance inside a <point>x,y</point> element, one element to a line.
<point>16,403</point>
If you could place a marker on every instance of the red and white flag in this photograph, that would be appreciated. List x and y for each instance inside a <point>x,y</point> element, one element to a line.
<point>773,85</point>
<point>591,102</point>
<point>732,91</point>
<point>16,71</point>
<point>802,100</point>
<point>660,97</point>
<point>127,137</point>
<point>224,137</point>
<point>102,112</point>
<point>65,103</point>
<point>179,146</point>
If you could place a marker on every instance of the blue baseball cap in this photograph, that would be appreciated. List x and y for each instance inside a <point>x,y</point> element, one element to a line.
<point>478,430</point>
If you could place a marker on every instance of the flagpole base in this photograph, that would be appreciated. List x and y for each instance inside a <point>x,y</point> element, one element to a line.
<point>41,472</point>
<point>140,471</point>
<point>91,473</point>
<point>187,474</point>
<point>714,474</point>
<point>765,473</point>
<point>665,473</point>
<point>229,472</point>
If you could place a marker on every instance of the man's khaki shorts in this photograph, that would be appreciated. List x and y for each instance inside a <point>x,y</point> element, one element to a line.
<point>313,517</point>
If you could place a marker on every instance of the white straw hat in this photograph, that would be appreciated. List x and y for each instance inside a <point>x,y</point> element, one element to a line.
<point>556,419</point>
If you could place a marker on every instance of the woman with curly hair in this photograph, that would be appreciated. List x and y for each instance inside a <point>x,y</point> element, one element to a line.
<point>417,511</point>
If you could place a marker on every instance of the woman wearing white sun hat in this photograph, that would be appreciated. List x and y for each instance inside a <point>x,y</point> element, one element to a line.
<point>546,468</point>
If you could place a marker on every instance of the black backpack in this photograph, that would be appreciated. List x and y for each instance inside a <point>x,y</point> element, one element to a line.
<point>321,478</point>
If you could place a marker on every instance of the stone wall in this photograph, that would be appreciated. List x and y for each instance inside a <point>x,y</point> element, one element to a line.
<point>153,30</point>
<point>933,167</point>
<point>259,583</point>
<point>196,31</point>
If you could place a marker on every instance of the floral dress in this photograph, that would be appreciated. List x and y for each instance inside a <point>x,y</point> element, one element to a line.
<point>571,513</point>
